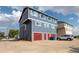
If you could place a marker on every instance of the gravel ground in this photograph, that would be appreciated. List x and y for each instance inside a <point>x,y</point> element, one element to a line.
<point>48,46</point>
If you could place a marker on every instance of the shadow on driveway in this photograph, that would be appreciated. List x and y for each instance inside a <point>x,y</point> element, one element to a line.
<point>74,50</point>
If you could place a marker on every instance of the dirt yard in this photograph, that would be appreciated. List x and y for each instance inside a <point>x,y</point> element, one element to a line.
<point>48,46</point>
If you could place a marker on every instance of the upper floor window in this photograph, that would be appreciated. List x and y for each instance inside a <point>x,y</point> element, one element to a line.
<point>55,21</point>
<point>42,16</point>
<point>34,13</point>
<point>52,26</point>
<point>46,25</point>
<point>37,23</point>
<point>49,18</point>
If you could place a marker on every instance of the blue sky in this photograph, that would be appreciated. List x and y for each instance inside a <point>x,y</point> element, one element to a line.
<point>9,15</point>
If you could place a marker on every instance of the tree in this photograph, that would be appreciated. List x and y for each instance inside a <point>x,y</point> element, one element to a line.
<point>13,33</point>
<point>1,35</point>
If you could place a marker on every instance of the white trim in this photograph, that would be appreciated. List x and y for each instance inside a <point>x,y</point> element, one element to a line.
<point>43,32</point>
<point>52,26</point>
<point>34,13</point>
<point>42,21</point>
<point>46,24</point>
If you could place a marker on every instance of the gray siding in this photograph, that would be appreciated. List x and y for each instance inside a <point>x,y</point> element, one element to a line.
<point>28,31</point>
<point>24,16</point>
<point>25,31</point>
<point>42,28</point>
<point>21,31</point>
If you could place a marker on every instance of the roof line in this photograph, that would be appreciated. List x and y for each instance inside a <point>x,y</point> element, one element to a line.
<point>41,12</point>
<point>64,22</point>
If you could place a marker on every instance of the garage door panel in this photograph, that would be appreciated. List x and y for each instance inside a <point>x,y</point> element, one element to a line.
<point>45,36</point>
<point>37,36</point>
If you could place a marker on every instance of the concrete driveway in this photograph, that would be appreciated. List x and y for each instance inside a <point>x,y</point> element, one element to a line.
<point>48,46</point>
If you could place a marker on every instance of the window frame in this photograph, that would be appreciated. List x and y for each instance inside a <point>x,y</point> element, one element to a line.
<point>49,18</point>
<point>39,23</point>
<point>34,13</point>
<point>52,26</point>
<point>46,25</point>
<point>43,16</point>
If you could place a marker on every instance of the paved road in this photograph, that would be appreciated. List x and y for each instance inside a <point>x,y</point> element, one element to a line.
<point>48,46</point>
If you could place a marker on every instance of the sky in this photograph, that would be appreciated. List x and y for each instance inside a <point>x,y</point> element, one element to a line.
<point>10,15</point>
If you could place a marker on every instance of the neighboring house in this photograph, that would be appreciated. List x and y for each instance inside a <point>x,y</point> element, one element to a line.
<point>64,28</point>
<point>36,25</point>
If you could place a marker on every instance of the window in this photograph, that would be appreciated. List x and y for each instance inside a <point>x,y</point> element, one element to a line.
<point>42,16</point>
<point>37,23</point>
<point>52,26</point>
<point>45,17</point>
<point>55,21</point>
<point>34,13</point>
<point>46,25</point>
<point>49,18</point>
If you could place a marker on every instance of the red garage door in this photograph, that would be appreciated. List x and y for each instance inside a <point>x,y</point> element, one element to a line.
<point>45,36</point>
<point>37,36</point>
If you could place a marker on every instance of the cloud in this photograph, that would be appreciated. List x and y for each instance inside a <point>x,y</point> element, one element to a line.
<point>7,20</point>
<point>71,18</point>
<point>19,8</point>
<point>10,20</point>
<point>10,17</point>
<point>16,15</point>
<point>59,9</point>
<point>78,20</point>
<point>62,9</point>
